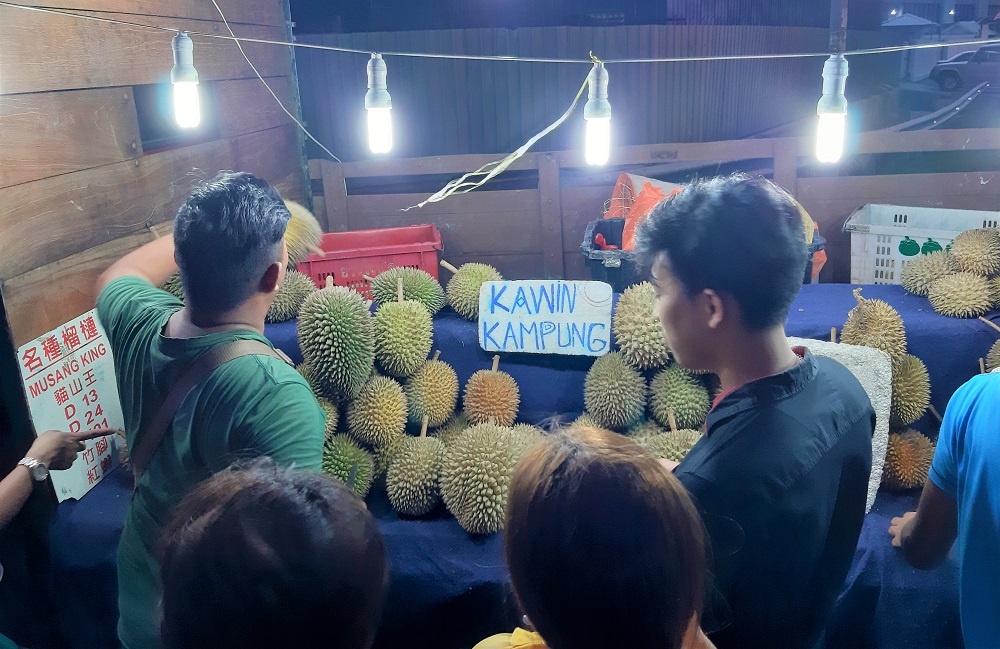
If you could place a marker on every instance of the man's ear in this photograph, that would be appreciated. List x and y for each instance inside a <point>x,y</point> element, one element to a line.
<point>714,307</point>
<point>270,281</point>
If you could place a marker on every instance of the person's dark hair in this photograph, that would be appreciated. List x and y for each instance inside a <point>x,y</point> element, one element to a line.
<point>226,235</point>
<point>261,556</point>
<point>736,235</point>
<point>604,546</point>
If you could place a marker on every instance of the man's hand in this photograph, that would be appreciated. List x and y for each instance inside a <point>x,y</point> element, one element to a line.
<point>896,528</point>
<point>57,450</point>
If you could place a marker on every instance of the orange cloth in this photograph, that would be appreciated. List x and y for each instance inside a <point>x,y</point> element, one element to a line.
<point>647,199</point>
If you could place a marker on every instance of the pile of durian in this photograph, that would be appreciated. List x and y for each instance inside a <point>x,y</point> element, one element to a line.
<point>874,323</point>
<point>639,391</point>
<point>962,281</point>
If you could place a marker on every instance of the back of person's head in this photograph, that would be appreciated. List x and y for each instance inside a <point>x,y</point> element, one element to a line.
<point>736,235</point>
<point>227,233</point>
<point>261,556</point>
<point>605,548</point>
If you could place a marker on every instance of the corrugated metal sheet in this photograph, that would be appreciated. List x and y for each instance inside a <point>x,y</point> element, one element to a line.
<point>450,107</point>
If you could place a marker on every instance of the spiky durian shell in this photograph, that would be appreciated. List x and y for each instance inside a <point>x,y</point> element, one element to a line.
<point>993,357</point>
<point>332,415</point>
<point>455,426</point>
<point>585,421</point>
<point>524,435</point>
<point>911,391</point>
<point>173,286</point>
<point>314,383</point>
<point>923,271</point>
<point>675,389</point>
<point>995,291</point>
<point>637,329</point>
<point>342,457</point>
<point>287,302</point>
<point>491,395</point>
<point>418,285</point>
<point>908,458</point>
<point>412,482</point>
<point>672,445</point>
<point>873,323</point>
<point>403,337</point>
<point>977,251</point>
<point>378,414</point>
<point>962,295</point>
<point>645,429</point>
<point>303,233</point>
<point>384,455</point>
<point>463,288</point>
<point>432,391</point>
<point>337,337</point>
<point>478,466</point>
<point>614,393</point>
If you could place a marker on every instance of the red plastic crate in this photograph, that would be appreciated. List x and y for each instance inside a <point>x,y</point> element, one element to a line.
<point>349,256</point>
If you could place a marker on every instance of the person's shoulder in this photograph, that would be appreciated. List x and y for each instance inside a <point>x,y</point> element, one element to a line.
<point>840,382</point>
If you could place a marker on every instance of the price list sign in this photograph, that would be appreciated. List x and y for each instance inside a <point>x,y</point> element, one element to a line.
<point>69,380</point>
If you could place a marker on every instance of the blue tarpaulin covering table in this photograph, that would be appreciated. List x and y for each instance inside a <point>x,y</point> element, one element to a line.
<point>449,589</point>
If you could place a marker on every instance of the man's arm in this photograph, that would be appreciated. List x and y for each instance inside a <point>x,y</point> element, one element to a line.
<point>153,262</point>
<point>927,534</point>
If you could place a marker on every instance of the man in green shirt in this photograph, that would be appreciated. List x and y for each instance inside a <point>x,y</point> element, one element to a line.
<point>228,243</point>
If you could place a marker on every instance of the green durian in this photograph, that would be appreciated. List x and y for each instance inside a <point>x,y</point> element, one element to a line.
<point>962,295</point>
<point>675,390</point>
<point>637,329</point>
<point>873,323</point>
<point>303,234</point>
<point>919,274</point>
<point>413,480</point>
<point>173,286</point>
<point>911,391</point>
<point>377,415</point>
<point>403,337</point>
<point>432,391</point>
<point>993,357</point>
<point>977,251</point>
<point>345,460</point>
<point>478,466</point>
<point>455,426</point>
<point>463,287</point>
<point>332,415</point>
<point>614,393</point>
<point>289,298</point>
<point>672,444</point>
<point>337,337</point>
<point>418,285</point>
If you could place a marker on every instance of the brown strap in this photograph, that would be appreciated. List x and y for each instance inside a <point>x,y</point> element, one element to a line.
<point>149,439</point>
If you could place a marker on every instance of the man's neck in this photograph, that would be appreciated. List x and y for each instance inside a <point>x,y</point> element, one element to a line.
<point>187,323</point>
<point>755,355</point>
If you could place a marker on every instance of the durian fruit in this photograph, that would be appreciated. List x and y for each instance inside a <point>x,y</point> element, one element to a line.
<point>491,394</point>
<point>911,391</point>
<point>671,445</point>
<point>173,286</point>
<point>524,435</point>
<point>378,414</point>
<point>345,460</point>
<point>303,233</point>
<point>995,291</point>
<point>923,271</point>
<point>463,287</point>
<point>413,480</point>
<point>455,426</point>
<point>908,458</point>
<point>977,251</point>
<point>332,415</point>
<point>873,323</point>
<point>614,393</point>
<point>418,285</point>
<point>478,466</point>
<point>993,357</point>
<point>432,391</point>
<point>962,295</point>
<point>313,380</point>
<point>646,428</point>
<point>637,329</point>
<point>676,390</point>
<point>289,298</point>
<point>585,421</point>
<point>403,335</point>
<point>337,337</point>
<point>386,454</point>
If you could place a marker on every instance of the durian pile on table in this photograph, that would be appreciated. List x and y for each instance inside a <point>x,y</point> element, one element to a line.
<point>428,427</point>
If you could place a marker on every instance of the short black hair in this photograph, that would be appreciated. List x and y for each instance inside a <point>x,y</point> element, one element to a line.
<point>736,235</point>
<point>264,556</point>
<point>226,235</point>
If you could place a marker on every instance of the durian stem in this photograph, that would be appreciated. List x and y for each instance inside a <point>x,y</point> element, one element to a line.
<point>833,334</point>
<point>399,289</point>
<point>423,426</point>
<point>990,323</point>
<point>329,281</point>
<point>936,414</point>
<point>448,266</point>
<point>496,362</point>
<point>671,420</point>
<point>368,279</point>
<point>437,354</point>
<point>982,366</point>
<point>857,296</point>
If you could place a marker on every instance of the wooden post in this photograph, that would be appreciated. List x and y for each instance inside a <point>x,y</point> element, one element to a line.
<point>786,164</point>
<point>550,209</point>
<point>336,218</point>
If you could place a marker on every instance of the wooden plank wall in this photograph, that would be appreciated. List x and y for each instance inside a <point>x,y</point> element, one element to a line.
<point>76,189</point>
<point>449,107</point>
<point>522,231</point>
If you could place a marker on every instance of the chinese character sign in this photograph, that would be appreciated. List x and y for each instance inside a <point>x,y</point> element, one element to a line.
<point>69,379</point>
<point>545,317</point>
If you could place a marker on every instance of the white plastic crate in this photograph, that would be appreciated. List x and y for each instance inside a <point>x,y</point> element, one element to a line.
<point>884,238</point>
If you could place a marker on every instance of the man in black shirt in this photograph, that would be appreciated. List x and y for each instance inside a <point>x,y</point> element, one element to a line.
<point>781,475</point>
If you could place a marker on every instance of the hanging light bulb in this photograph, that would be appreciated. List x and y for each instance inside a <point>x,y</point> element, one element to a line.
<point>187,107</point>
<point>832,110</point>
<point>379,107</point>
<point>597,113</point>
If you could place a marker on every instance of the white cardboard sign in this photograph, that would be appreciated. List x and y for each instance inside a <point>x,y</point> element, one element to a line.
<point>545,317</point>
<point>69,380</point>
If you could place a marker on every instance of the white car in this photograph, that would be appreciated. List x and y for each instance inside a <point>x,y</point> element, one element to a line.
<point>969,69</point>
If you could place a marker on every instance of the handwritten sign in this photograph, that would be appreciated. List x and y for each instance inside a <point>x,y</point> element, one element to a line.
<point>545,317</point>
<point>69,379</point>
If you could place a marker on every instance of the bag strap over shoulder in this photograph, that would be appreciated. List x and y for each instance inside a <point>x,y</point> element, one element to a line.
<point>149,439</point>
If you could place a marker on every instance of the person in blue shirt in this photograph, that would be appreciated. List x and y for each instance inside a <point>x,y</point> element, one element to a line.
<point>962,500</point>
